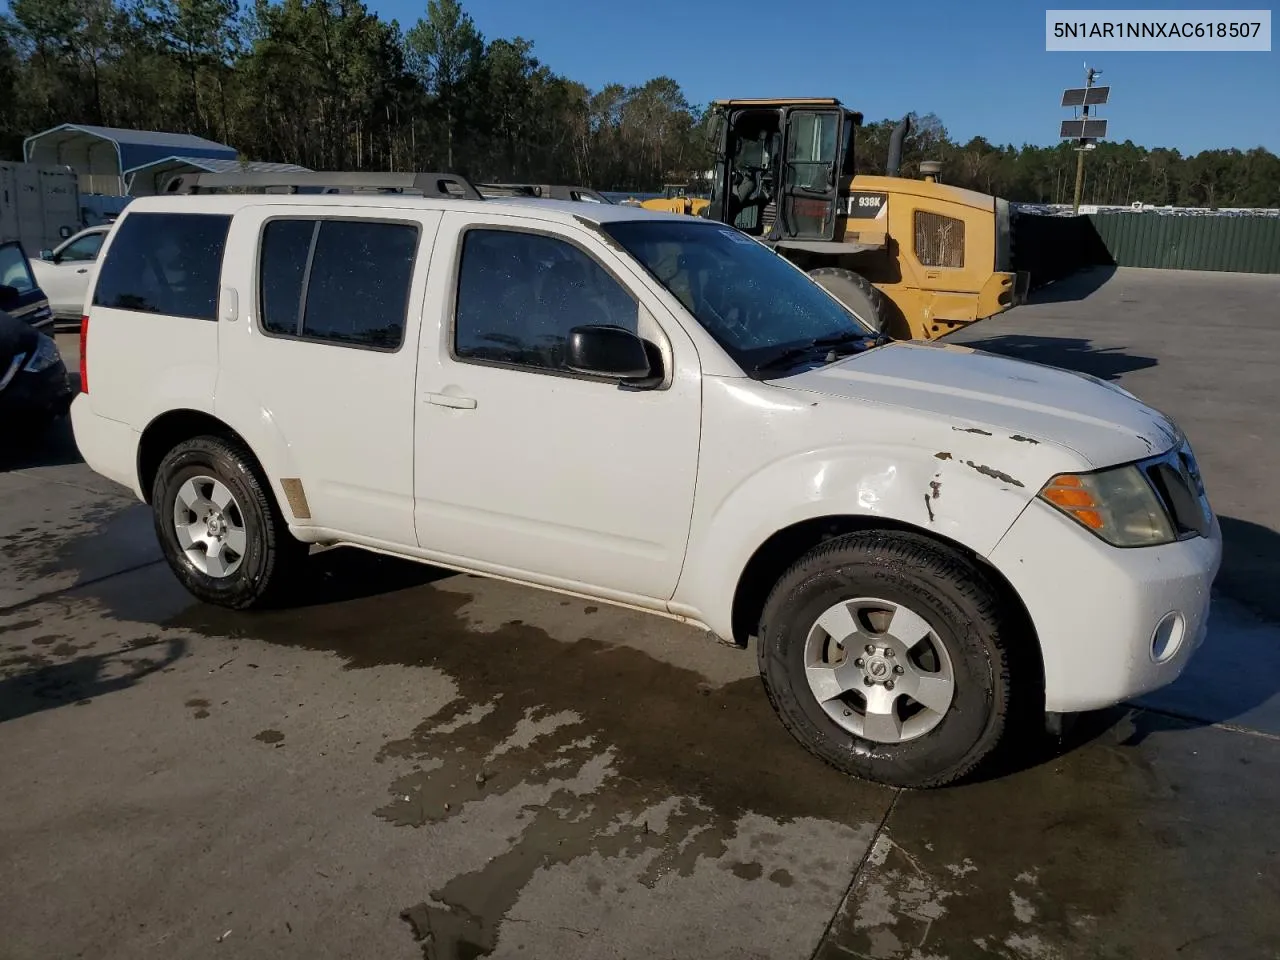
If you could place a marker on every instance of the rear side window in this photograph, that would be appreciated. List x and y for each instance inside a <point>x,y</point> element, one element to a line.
<point>337,281</point>
<point>167,263</point>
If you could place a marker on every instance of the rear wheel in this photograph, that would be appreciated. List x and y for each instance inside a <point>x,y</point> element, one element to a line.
<point>882,653</point>
<point>856,293</point>
<point>219,527</point>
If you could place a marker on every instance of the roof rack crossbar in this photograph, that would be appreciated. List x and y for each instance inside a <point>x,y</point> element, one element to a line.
<point>545,191</point>
<point>449,186</point>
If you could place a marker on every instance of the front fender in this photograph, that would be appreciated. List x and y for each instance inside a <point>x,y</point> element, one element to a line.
<point>949,494</point>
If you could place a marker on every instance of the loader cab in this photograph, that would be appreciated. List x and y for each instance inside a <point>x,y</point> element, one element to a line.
<point>781,166</point>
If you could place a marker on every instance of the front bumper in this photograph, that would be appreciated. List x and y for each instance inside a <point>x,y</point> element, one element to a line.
<point>1112,623</point>
<point>1002,291</point>
<point>37,396</point>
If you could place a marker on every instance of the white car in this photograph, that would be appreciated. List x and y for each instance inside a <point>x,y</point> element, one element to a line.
<point>930,545</point>
<point>64,273</point>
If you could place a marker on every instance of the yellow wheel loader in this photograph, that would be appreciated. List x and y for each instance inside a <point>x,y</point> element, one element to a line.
<point>916,259</point>
<point>676,199</point>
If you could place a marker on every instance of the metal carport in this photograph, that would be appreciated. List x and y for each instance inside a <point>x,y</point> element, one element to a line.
<point>102,156</point>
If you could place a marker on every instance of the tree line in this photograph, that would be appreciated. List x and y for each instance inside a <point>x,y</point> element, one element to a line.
<point>330,85</point>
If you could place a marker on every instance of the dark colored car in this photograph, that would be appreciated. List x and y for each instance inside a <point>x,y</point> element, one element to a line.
<point>34,387</point>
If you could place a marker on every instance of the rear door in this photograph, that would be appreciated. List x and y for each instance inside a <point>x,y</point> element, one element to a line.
<point>811,181</point>
<point>318,357</point>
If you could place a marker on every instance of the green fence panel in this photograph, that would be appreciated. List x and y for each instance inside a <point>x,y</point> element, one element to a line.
<point>1247,244</point>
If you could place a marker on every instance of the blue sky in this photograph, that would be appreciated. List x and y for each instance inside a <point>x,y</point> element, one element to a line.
<point>979,64</point>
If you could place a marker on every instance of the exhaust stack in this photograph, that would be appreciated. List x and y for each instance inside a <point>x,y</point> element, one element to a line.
<point>895,146</point>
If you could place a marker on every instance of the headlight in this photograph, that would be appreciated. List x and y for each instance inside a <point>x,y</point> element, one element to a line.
<point>44,356</point>
<point>1118,505</point>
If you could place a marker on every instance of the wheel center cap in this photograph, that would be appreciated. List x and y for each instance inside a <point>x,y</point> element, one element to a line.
<point>216,525</point>
<point>877,668</point>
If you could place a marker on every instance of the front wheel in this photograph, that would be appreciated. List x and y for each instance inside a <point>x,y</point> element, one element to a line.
<point>882,653</point>
<point>219,527</point>
<point>855,292</point>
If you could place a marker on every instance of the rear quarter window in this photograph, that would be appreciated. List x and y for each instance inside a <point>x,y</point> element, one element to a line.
<point>166,263</point>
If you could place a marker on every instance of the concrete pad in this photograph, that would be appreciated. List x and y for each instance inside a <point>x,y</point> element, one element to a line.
<point>54,535</point>
<point>1157,839</point>
<point>303,777</point>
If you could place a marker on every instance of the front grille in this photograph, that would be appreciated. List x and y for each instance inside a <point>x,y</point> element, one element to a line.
<point>939,240</point>
<point>1176,480</point>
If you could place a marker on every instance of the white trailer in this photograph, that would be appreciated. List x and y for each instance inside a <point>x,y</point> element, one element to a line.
<point>39,205</point>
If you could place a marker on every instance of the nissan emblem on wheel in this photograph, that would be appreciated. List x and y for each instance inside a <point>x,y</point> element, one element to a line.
<point>929,547</point>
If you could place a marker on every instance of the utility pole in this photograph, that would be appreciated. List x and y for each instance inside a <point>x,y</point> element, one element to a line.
<point>1084,130</point>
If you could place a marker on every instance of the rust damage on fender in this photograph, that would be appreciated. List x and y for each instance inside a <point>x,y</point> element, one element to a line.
<point>936,487</point>
<point>1021,439</point>
<point>977,430</point>
<point>943,455</point>
<point>983,469</point>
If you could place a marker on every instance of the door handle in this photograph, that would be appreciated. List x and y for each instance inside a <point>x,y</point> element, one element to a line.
<point>83,270</point>
<point>448,400</point>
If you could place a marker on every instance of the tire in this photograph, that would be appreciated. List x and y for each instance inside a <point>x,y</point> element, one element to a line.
<point>957,606</point>
<point>270,554</point>
<point>856,293</point>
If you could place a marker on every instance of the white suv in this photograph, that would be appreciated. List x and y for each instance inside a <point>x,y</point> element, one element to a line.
<point>930,544</point>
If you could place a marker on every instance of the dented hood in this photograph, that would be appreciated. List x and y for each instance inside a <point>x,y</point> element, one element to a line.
<point>1099,421</point>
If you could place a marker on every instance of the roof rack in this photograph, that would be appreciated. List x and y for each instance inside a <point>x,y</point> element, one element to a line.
<point>449,186</point>
<point>544,191</point>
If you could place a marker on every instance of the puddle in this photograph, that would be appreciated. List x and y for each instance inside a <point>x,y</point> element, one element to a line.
<point>581,750</point>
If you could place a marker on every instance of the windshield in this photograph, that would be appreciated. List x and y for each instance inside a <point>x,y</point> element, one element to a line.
<point>756,305</point>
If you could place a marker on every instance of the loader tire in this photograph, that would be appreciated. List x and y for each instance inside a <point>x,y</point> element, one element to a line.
<point>856,293</point>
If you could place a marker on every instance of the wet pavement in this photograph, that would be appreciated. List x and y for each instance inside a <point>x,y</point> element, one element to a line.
<point>409,763</point>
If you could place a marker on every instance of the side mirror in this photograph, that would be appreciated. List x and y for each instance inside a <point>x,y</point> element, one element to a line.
<point>608,351</point>
<point>46,254</point>
<point>8,296</point>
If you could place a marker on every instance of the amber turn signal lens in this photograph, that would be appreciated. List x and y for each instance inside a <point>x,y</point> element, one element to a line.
<point>1068,492</point>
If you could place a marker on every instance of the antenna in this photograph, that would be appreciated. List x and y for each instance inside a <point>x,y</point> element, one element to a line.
<point>1082,128</point>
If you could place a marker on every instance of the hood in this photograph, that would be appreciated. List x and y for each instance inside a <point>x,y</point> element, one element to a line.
<point>1099,421</point>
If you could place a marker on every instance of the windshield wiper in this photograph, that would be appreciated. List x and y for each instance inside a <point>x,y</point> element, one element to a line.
<point>785,357</point>
<point>835,339</point>
<point>819,343</point>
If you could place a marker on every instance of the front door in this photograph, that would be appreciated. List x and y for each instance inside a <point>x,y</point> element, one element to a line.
<point>523,467</point>
<point>66,278</point>
<point>811,178</point>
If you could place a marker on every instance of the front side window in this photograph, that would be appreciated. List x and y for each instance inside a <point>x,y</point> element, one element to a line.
<point>337,281</point>
<point>85,248</point>
<point>519,295</point>
<point>14,270</point>
<point>166,263</point>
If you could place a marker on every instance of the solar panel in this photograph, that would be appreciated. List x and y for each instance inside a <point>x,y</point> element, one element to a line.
<point>1087,129</point>
<point>1073,97</point>
<point>1096,96</point>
